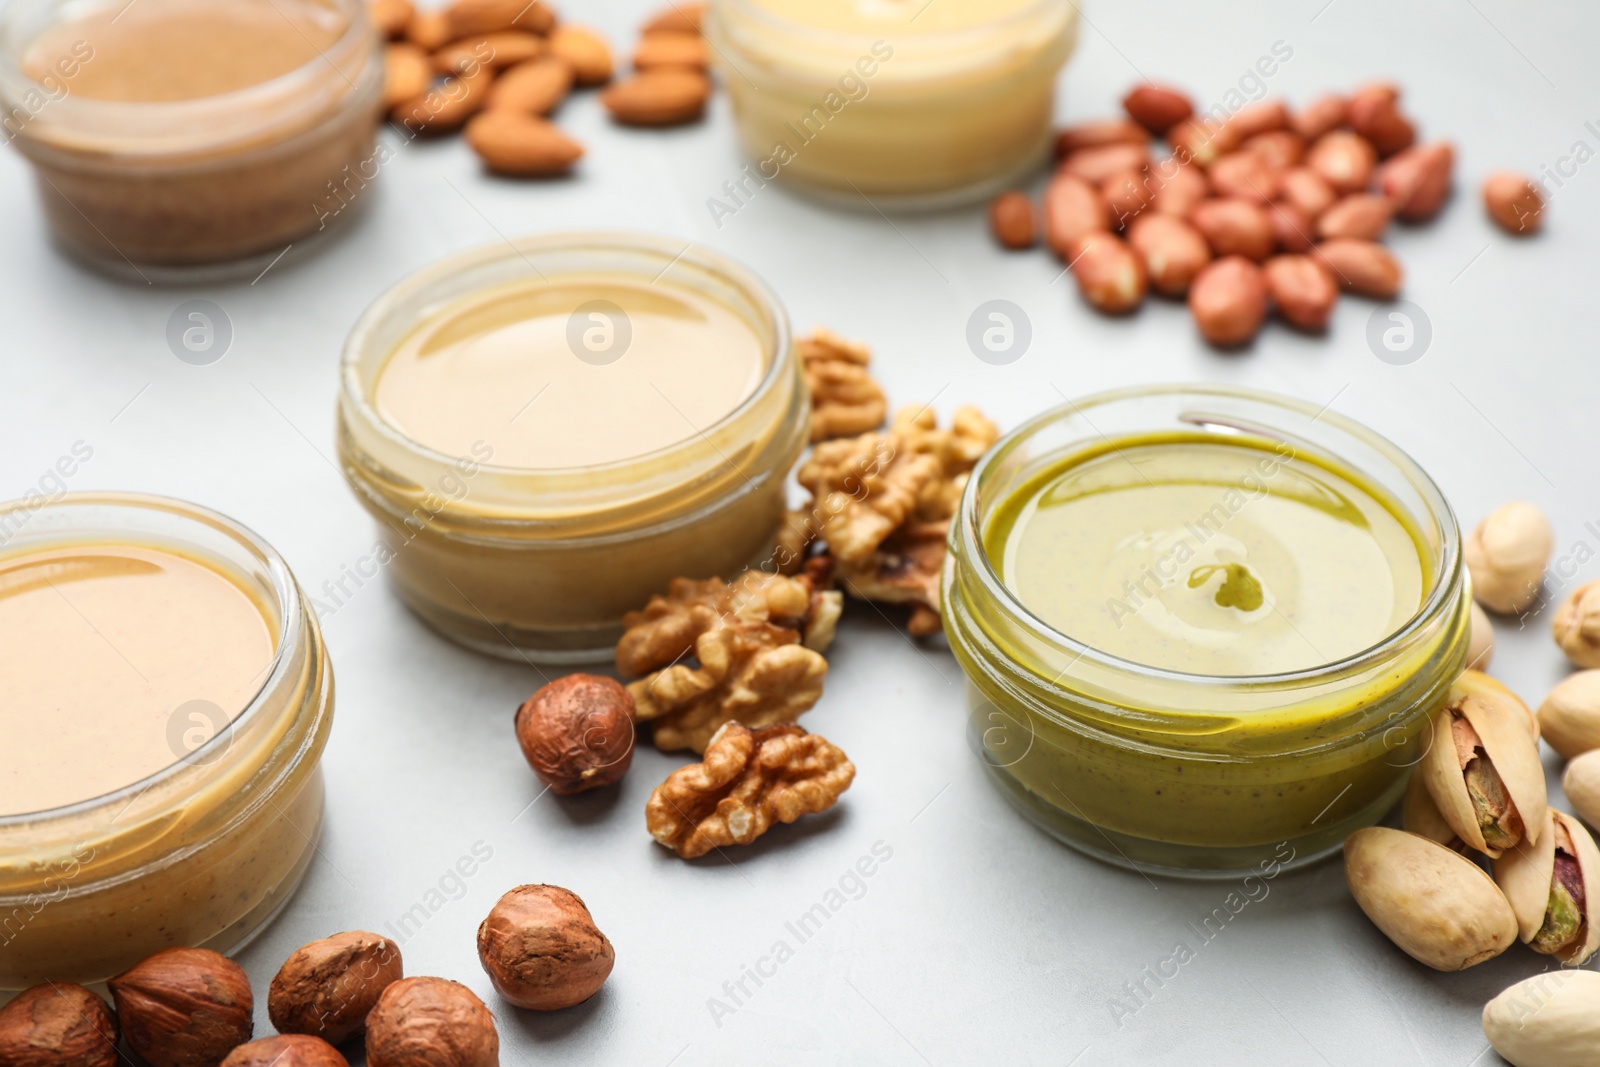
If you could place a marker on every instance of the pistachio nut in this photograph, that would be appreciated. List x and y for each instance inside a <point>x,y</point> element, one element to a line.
<point>1577,625</point>
<point>1549,885</point>
<point>1480,648</point>
<point>1507,555</point>
<point>1569,718</point>
<point>1482,766</point>
<point>1420,815</point>
<point>1440,907</point>
<point>1581,783</point>
<point>1549,1020</point>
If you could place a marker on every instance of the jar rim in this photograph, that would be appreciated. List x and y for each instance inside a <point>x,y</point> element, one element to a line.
<point>292,631</point>
<point>354,392</point>
<point>968,533</point>
<point>192,114</point>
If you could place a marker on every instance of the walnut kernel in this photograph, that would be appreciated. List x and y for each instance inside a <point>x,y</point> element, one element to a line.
<point>577,733</point>
<point>845,400</point>
<point>542,950</point>
<point>326,988</point>
<point>184,1007</point>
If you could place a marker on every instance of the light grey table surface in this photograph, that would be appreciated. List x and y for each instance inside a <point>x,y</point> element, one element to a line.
<point>978,940</point>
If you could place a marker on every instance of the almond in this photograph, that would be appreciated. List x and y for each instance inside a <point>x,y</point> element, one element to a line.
<point>1178,188</point>
<point>1290,226</point>
<point>1126,195</point>
<point>1264,117</point>
<point>1157,108</point>
<point>521,145</point>
<point>1513,202</point>
<point>658,50</point>
<point>1308,191</point>
<point>1280,148</point>
<point>1095,165</point>
<point>497,51</point>
<point>1375,115</point>
<point>407,74</point>
<point>1322,115</point>
<point>1235,227</point>
<point>1302,289</point>
<point>1229,301</point>
<point>1417,180</point>
<point>1172,250</point>
<point>1361,215</point>
<point>446,107</point>
<point>469,18</point>
<point>1072,209</point>
<point>666,97</point>
<point>1245,175</point>
<point>1344,159</point>
<point>585,52</point>
<point>676,18</point>
<point>391,17</point>
<point>1109,275</point>
<point>1196,141</point>
<point>1095,134</point>
<point>1011,219</point>
<point>1362,267</point>
<point>430,30</point>
<point>536,87</point>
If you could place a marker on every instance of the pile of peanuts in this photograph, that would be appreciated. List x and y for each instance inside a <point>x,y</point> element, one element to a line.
<point>499,68</point>
<point>1266,209</point>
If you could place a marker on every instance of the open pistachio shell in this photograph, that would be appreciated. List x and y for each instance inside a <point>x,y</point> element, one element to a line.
<point>1588,942</point>
<point>1420,815</point>
<point>1523,875</point>
<point>1476,682</point>
<point>1549,1020</point>
<point>1502,724</point>
<point>1582,786</point>
<point>1438,906</point>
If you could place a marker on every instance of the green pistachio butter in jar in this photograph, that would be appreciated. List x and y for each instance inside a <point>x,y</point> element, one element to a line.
<point>1203,627</point>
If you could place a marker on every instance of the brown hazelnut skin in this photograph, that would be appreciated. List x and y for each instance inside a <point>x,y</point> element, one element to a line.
<point>327,987</point>
<point>431,1022</point>
<point>58,1024</point>
<point>184,1007</point>
<point>577,733</point>
<point>542,949</point>
<point>286,1050</point>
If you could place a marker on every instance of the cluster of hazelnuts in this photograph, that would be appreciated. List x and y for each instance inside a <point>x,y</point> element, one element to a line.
<point>191,1007</point>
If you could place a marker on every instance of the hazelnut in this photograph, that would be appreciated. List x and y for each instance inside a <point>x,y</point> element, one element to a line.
<point>327,987</point>
<point>1577,626</point>
<point>288,1050</point>
<point>542,949</point>
<point>58,1024</point>
<point>431,1022</point>
<point>577,733</point>
<point>1507,555</point>
<point>184,1007</point>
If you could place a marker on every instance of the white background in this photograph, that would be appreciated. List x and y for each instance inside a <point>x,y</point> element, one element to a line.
<point>980,940</point>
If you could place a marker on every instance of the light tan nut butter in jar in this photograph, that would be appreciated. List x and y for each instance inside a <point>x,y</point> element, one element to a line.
<point>165,697</point>
<point>1204,629</point>
<point>549,430</point>
<point>173,135</point>
<point>905,102</point>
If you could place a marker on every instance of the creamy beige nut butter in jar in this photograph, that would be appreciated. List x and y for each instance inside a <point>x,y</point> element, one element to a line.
<point>164,698</point>
<point>909,103</point>
<point>1204,629</point>
<point>551,429</point>
<point>171,136</point>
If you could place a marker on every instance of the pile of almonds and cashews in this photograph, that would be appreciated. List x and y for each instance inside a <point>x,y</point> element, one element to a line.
<point>720,669</point>
<point>1263,209</point>
<point>498,69</point>
<point>1483,860</point>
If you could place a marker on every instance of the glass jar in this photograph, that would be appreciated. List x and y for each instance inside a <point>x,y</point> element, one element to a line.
<point>543,564</point>
<point>203,188</point>
<point>947,106</point>
<point>1158,769</point>
<point>205,852</point>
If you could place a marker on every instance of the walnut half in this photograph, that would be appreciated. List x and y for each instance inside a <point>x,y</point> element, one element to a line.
<point>749,780</point>
<point>845,400</point>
